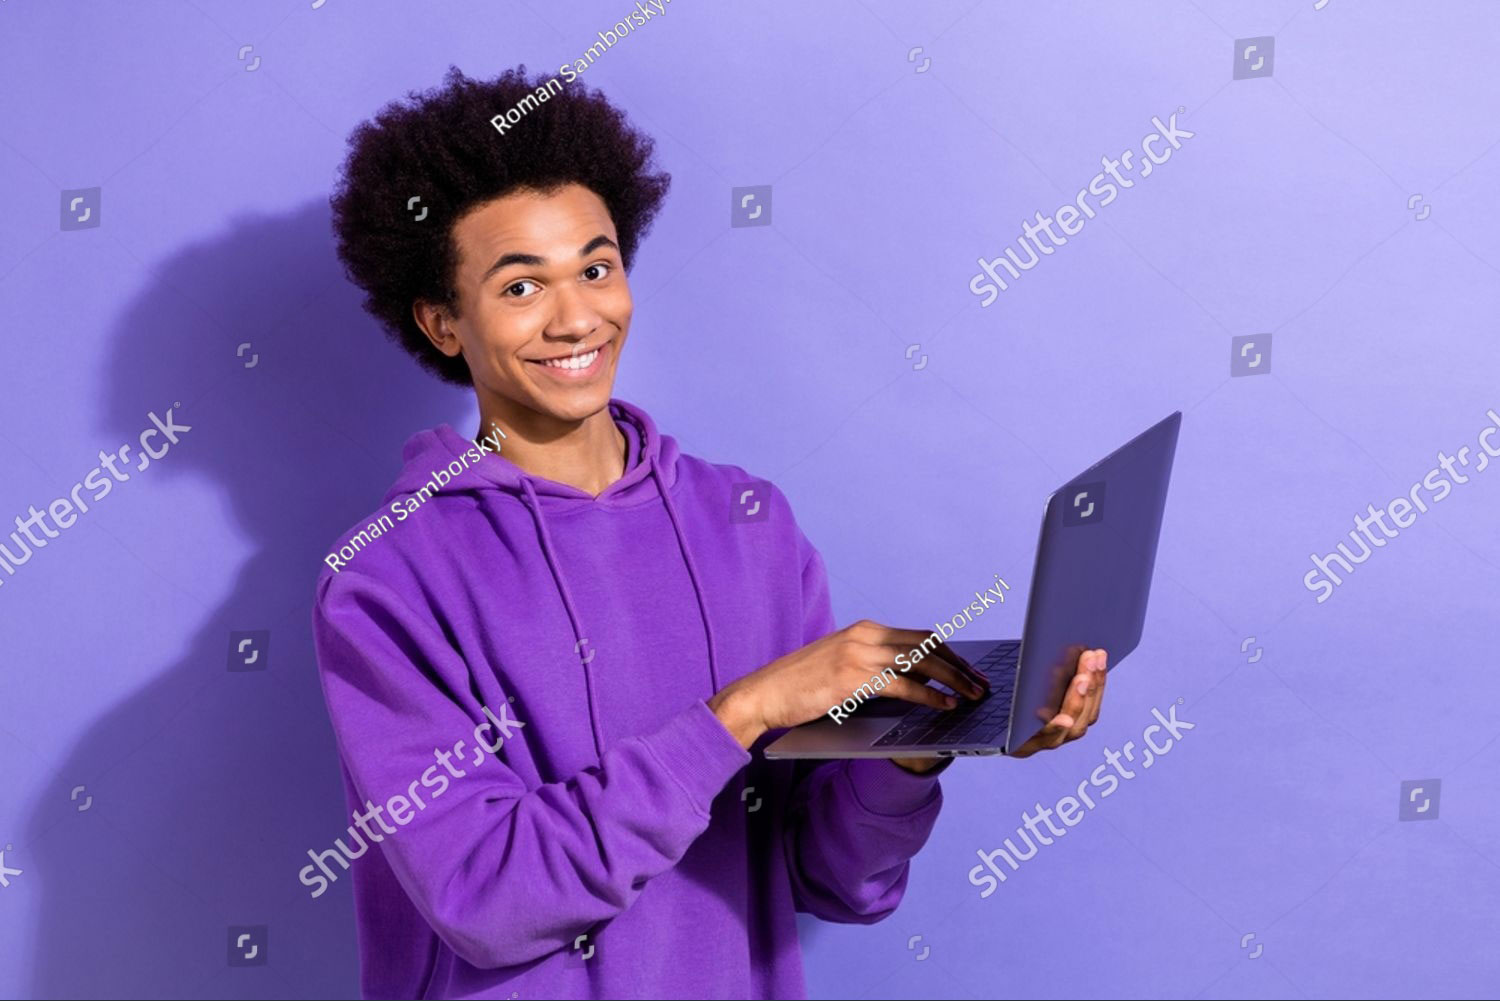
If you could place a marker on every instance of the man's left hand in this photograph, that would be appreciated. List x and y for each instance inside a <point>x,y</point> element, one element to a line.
<point>1079,711</point>
<point>1080,708</point>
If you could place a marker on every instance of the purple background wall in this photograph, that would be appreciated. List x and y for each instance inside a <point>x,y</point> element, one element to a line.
<point>784,348</point>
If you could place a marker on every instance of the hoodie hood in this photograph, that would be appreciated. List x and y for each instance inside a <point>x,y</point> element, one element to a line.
<point>427,452</point>
<point>650,474</point>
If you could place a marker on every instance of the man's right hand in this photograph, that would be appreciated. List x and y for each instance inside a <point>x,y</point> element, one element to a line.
<point>806,683</point>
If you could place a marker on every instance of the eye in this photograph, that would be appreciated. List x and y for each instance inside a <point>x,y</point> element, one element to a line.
<point>596,271</point>
<point>510,290</point>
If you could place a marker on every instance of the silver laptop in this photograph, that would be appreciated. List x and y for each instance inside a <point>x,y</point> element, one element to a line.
<point>1088,589</point>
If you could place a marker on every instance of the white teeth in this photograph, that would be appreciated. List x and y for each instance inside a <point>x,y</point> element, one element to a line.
<point>580,361</point>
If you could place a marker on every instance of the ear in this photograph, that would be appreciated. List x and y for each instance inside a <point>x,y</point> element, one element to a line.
<point>437,324</point>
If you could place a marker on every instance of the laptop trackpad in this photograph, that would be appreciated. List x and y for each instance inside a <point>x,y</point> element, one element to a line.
<point>825,738</point>
<point>883,707</point>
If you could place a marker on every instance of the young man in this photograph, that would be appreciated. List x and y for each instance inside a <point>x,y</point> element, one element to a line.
<point>550,653</point>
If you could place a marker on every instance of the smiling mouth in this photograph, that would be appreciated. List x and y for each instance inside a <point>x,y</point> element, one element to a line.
<point>577,366</point>
<point>572,362</point>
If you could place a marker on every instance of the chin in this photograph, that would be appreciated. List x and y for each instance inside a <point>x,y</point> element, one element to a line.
<point>576,409</point>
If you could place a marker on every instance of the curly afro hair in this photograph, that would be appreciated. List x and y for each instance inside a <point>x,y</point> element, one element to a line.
<point>440,145</point>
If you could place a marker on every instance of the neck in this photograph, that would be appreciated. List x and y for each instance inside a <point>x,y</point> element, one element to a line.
<point>588,454</point>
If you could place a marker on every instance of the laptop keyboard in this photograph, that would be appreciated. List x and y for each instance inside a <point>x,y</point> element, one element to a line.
<point>981,722</point>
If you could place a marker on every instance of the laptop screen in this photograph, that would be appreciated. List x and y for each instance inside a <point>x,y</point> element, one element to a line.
<point>1093,570</point>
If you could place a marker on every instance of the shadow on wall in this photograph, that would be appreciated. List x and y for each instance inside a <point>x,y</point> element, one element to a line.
<point>209,785</point>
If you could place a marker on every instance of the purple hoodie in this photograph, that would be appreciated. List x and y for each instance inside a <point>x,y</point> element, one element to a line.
<point>620,809</point>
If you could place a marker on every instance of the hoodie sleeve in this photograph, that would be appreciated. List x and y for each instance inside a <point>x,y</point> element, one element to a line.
<point>503,874</point>
<point>852,825</point>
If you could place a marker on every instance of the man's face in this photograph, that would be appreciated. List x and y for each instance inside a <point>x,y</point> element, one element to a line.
<point>543,300</point>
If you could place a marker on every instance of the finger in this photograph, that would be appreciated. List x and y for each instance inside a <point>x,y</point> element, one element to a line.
<point>938,668</point>
<point>964,667</point>
<point>905,637</point>
<point>1092,665</point>
<point>1101,676</point>
<point>913,691</point>
<point>907,640</point>
<point>1088,669</point>
<point>1027,749</point>
<point>1075,701</point>
<point>934,665</point>
<point>1054,734</point>
<point>1063,726</point>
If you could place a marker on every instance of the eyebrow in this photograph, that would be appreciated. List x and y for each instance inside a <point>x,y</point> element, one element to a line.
<point>533,261</point>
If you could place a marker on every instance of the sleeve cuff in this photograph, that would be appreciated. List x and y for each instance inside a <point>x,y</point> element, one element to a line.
<point>699,753</point>
<point>886,788</point>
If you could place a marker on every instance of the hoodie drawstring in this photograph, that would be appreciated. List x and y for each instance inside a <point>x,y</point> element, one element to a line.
<point>687,557</point>
<point>567,600</point>
<point>567,597</point>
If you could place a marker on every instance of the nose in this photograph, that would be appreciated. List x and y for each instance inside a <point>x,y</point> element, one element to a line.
<point>573,318</point>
